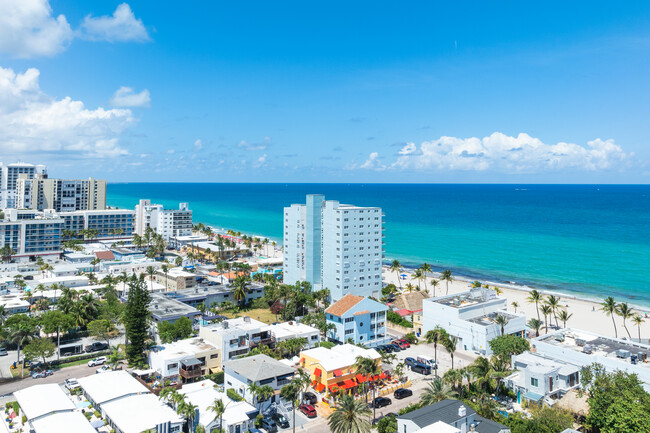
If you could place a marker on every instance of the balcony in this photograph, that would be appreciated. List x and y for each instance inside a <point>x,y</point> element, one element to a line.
<point>191,373</point>
<point>266,338</point>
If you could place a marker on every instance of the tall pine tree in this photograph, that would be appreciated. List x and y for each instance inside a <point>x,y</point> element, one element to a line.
<point>136,321</point>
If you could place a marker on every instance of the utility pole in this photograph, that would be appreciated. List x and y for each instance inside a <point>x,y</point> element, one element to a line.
<point>58,343</point>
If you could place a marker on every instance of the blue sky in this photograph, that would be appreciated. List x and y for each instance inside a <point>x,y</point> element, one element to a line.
<point>361,91</point>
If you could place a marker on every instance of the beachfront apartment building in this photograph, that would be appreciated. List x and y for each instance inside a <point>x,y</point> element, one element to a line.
<point>358,319</point>
<point>30,234</point>
<point>334,246</point>
<point>583,348</point>
<point>537,377</point>
<point>61,195</point>
<point>470,316</point>
<point>109,223</point>
<point>170,223</point>
<point>9,175</point>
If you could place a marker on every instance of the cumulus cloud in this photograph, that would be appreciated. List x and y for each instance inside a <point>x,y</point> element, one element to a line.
<point>243,144</point>
<point>507,154</point>
<point>126,97</point>
<point>122,26</point>
<point>32,121</point>
<point>373,162</point>
<point>261,161</point>
<point>28,29</point>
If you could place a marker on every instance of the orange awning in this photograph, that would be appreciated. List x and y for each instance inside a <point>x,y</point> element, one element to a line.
<point>320,387</point>
<point>361,378</point>
<point>333,387</point>
<point>302,360</point>
<point>350,383</point>
<point>317,372</point>
<point>382,376</point>
<point>338,373</point>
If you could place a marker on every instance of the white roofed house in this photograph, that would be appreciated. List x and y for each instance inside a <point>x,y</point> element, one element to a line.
<point>237,336</point>
<point>238,417</point>
<point>186,360</point>
<point>261,370</point>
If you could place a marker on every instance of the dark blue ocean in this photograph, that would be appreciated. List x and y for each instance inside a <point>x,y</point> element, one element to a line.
<point>585,240</point>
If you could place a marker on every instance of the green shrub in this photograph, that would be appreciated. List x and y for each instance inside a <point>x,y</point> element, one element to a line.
<point>258,420</point>
<point>233,395</point>
<point>411,338</point>
<point>16,407</point>
<point>326,344</point>
<point>24,419</point>
<point>97,414</point>
<point>88,415</point>
<point>395,318</point>
<point>410,408</point>
<point>216,377</point>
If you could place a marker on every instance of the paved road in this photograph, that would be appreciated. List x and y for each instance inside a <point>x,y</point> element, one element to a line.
<point>59,376</point>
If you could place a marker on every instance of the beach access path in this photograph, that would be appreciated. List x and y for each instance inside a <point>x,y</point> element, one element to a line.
<point>586,314</point>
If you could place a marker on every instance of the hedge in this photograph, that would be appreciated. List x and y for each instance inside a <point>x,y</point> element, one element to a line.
<point>233,395</point>
<point>395,318</point>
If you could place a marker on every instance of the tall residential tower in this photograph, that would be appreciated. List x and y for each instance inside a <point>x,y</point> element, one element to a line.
<point>334,246</point>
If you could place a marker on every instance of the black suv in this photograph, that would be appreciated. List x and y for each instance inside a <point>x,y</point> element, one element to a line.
<point>310,397</point>
<point>421,368</point>
<point>402,393</point>
<point>381,402</point>
<point>269,425</point>
<point>281,420</point>
<point>96,347</point>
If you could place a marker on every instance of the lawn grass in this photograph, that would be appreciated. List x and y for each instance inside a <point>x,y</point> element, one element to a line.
<point>15,372</point>
<point>72,363</point>
<point>261,314</point>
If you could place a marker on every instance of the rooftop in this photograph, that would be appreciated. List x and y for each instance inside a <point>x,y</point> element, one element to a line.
<point>259,367</point>
<point>475,296</point>
<point>343,305</point>
<point>165,308</point>
<point>488,319</point>
<point>39,400</point>
<point>63,422</point>
<point>290,329</point>
<point>203,395</point>
<point>576,340</point>
<point>445,411</point>
<point>241,324</point>
<point>182,348</point>
<point>108,386</point>
<point>340,356</point>
<point>138,413</point>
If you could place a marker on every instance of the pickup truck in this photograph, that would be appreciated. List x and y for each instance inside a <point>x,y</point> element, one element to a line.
<point>95,347</point>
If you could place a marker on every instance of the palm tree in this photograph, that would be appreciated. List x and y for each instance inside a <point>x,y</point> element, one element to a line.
<point>434,283</point>
<point>638,320</point>
<point>435,392</point>
<point>290,392</point>
<point>218,408</point>
<point>553,302</point>
<point>502,321</point>
<point>609,307</point>
<point>625,311</point>
<point>546,311</point>
<point>241,289</point>
<point>454,378</point>
<point>349,417</point>
<point>535,324</point>
<point>447,278</point>
<point>151,271</point>
<point>419,276</point>
<point>482,370</point>
<point>535,297</point>
<point>435,336</point>
<point>515,305</point>
<point>409,287</point>
<point>396,267</point>
<point>564,316</point>
<point>450,344</point>
<point>369,368</point>
<point>426,269</point>
<point>165,269</point>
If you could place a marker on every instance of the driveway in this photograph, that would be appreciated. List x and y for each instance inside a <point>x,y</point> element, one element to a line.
<point>59,377</point>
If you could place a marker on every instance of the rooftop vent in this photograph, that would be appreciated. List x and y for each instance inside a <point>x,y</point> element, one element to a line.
<point>247,319</point>
<point>225,325</point>
<point>462,411</point>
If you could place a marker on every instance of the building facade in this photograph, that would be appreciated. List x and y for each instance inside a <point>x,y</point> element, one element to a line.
<point>60,195</point>
<point>334,246</point>
<point>30,234</point>
<point>9,175</point>
<point>185,361</point>
<point>170,223</point>
<point>358,319</point>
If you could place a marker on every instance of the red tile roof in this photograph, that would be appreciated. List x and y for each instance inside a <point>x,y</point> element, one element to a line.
<point>104,255</point>
<point>343,305</point>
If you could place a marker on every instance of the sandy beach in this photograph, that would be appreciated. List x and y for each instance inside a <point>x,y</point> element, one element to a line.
<point>585,314</point>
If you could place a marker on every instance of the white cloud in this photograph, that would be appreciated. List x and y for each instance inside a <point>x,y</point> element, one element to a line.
<point>253,146</point>
<point>502,153</point>
<point>126,97</point>
<point>122,26</point>
<point>28,29</point>
<point>32,121</point>
<point>260,161</point>
<point>198,145</point>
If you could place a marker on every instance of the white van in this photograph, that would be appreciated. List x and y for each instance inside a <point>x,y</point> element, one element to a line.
<point>426,360</point>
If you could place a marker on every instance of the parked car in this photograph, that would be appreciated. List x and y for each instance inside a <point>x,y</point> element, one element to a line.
<point>3,351</point>
<point>71,384</point>
<point>310,398</point>
<point>410,361</point>
<point>95,347</point>
<point>97,361</point>
<point>43,373</point>
<point>401,344</point>
<point>386,348</point>
<point>402,393</point>
<point>103,369</point>
<point>421,368</point>
<point>308,410</point>
<point>269,425</point>
<point>395,347</point>
<point>405,342</point>
<point>280,420</point>
<point>381,402</point>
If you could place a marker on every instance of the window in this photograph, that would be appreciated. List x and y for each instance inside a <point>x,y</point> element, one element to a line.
<point>349,331</point>
<point>214,356</point>
<point>534,382</point>
<point>349,319</point>
<point>172,366</point>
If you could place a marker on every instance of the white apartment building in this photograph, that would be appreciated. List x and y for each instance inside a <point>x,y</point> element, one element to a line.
<point>9,175</point>
<point>236,337</point>
<point>170,223</point>
<point>30,234</point>
<point>334,246</point>
<point>60,195</point>
<point>470,317</point>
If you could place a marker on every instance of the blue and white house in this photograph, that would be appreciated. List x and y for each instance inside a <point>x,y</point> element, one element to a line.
<point>357,318</point>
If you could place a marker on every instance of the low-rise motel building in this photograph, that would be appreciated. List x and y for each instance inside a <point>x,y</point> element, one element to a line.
<point>332,371</point>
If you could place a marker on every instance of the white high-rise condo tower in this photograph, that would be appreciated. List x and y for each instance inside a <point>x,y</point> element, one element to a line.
<point>335,246</point>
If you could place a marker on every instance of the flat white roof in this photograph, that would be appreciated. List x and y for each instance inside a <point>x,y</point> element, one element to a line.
<point>110,385</point>
<point>184,348</point>
<point>340,356</point>
<point>39,400</point>
<point>65,422</point>
<point>203,395</point>
<point>137,413</point>
<point>46,281</point>
<point>438,427</point>
<point>238,324</point>
<point>282,330</point>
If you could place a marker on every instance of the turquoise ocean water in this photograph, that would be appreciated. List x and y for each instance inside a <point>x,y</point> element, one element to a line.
<point>584,240</point>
